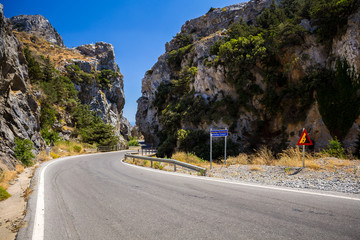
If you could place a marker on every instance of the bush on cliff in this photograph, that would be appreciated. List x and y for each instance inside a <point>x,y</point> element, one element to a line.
<point>23,150</point>
<point>92,129</point>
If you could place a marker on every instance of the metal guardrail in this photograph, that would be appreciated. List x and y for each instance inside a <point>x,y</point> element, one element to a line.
<point>108,148</point>
<point>201,170</point>
<point>148,151</point>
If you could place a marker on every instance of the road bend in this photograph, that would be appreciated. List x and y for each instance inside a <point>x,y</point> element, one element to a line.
<point>99,197</point>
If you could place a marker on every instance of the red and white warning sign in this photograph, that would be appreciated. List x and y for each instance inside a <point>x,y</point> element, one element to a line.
<point>304,139</point>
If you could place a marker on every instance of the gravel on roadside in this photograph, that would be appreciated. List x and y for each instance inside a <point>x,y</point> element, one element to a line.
<point>340,179</point>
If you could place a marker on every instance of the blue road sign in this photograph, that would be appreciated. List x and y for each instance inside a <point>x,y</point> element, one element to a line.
<point>219,133</point>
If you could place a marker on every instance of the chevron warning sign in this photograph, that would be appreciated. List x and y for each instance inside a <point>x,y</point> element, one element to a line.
<point>304,139</point>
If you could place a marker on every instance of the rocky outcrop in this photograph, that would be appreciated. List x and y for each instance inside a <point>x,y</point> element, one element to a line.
<point>104,54</point>
<point>19,112</point>
<point>210,81</point>
<point>221,19</point>
<point>37,25</point>
<point>107,101</point>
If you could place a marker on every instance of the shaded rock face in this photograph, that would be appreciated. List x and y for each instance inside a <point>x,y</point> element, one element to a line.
<point>37,25</point>
<point>107,102</point>
<point>18,110</point>
<point>210,81</point>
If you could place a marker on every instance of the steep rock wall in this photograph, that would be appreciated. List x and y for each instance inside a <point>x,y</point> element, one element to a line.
<point>210,81</point>
<point>107,102</point>
<point>19,112</point>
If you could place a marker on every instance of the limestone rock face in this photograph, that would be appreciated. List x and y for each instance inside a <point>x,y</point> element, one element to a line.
<point>37,25</point>
<point>348,45</point>
<point>19,112</point>
<point>108,102</point>
<point>103,52</point>
<point>210,81</point>
<point>221,19</point>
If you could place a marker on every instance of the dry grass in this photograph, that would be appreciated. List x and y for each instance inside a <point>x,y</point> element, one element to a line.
<point>6,177</point>
<point>188,158</point>
<point>64,149</point>
<point>255,168</point>
<point>263,156</point>
<point>19,169</point>
<point>43,157</point>
<point>192,159</point>
<point>59,56</point>
<point>242,159</point>
<point>293,157</point>
<point>27,193</point>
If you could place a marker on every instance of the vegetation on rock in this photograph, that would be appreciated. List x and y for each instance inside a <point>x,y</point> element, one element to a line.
<point>61,98</point>
<point>250,50</point>
<point>23,151</point>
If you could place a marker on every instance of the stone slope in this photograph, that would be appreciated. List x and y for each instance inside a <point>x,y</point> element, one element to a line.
<point>19,112</point>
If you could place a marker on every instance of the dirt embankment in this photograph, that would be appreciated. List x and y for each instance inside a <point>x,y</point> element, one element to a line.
<point>13,209</point>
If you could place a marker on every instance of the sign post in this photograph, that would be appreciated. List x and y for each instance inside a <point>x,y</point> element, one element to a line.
<point>304,141</point>
<point>217,133</point>
<point>210,148</point>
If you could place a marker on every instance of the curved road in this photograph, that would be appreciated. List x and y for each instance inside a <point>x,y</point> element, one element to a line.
<point>99,197</point>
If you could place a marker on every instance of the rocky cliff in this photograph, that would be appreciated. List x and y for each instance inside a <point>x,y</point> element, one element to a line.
<point>19,112</point>
<point>108,102</point>
<point>23,78</point>
<point>37,25</point>
<point>251,96</point>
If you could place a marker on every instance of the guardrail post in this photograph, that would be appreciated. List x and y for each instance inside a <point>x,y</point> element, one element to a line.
<point>133,159</point>
<point>151,163</point>
<point>174,167</point>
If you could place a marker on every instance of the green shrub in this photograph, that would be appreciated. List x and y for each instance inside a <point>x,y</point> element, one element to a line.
<point>77,75</point>
<point>105,77</point>
<point>49,135</point>
<point>331,16</point>
<point>4,194</point>
<point>34,67</point>
<point>183,39</point>
<point>23,151</point>
<point>47,114</point>
<point>158,165</point>
<point>48,70</point>
<point>334,149</point>
<point>133,142</point>
<point>92,129</point>
<point>167,146</point>
<point>77,148</point>
<point>339,99</point>
<point>176,56</point>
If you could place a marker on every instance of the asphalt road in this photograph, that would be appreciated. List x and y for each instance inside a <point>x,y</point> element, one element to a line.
<point>99,197</point>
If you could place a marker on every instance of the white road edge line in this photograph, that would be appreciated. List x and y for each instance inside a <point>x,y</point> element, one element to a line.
<point>243,183</point>
<point>39,222</point>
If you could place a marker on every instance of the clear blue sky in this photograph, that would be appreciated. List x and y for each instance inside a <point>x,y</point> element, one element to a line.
<point>137,29</point>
